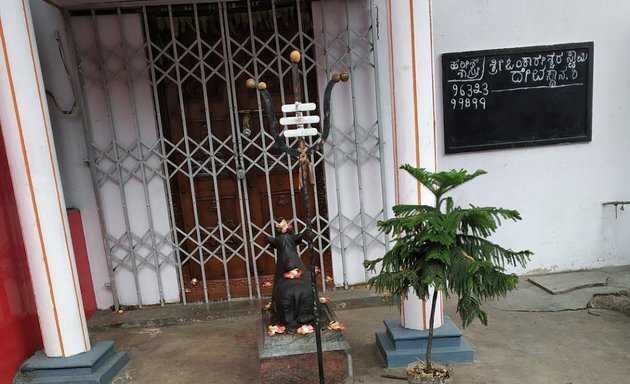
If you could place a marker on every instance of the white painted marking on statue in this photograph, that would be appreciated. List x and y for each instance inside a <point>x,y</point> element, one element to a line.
<point>299,132</point>
<point>299,120</point>
<point>301,107</point>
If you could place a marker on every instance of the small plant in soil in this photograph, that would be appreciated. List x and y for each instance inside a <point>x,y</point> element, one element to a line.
<point>446,247</point>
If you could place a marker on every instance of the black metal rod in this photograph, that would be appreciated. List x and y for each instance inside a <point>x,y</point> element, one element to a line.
<point>319,145</point>
<point>297,87</point>
<point>311,252</point>
<point>305,171</point>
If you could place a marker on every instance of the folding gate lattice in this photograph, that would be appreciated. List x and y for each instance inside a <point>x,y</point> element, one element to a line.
<point>170,128</point>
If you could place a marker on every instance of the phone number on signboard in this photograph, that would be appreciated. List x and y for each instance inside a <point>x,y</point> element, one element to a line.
<point>469,96</point>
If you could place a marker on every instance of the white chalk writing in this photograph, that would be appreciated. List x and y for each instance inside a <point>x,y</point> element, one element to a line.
<point>551,69</point>
<point>468,69</point>
<point>463,103</point>
<point>473,80</point>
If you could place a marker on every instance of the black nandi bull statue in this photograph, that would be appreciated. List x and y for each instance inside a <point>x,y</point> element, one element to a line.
<point>292,297</point>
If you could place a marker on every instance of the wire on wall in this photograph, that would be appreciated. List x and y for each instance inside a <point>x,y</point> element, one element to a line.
<point>65,65</point>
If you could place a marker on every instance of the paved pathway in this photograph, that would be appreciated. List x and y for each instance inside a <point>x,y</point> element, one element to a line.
<point>577,346</point>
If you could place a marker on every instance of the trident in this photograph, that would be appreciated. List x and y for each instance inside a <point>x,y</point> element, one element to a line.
<point>302,154</point>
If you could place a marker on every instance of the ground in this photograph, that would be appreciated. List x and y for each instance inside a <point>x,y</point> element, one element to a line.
<point>575,346</point>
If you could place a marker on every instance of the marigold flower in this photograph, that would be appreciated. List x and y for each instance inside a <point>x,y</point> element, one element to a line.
<point>276,330</point>
<point>293,274</point>
<point>305,329</point>
<point>336,326</point>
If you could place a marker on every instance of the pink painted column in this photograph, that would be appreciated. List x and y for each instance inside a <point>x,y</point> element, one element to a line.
<point>33,166</point>
<point>413,112</point>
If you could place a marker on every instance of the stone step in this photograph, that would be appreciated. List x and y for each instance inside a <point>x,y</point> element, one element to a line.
<point>97,366</point>
<point>448,335</point>
<point>449,347</point>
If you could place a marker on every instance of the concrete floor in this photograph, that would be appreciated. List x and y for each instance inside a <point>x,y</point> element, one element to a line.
<point>559,346</point>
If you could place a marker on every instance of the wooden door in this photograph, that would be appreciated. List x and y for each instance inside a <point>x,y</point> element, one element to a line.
<point>228,187</point>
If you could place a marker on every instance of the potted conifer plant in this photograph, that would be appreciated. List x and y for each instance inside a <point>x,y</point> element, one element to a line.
<point>446,247</point>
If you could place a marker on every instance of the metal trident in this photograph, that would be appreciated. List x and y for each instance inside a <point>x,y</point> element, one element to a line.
<point>302,154</point>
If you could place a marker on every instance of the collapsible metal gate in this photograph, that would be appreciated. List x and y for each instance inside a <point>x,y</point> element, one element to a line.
<point>186,178</point>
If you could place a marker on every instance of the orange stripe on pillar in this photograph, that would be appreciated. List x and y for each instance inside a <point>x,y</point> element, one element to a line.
<point>435,167</point>
<point>394,111</point>
<point>442,308</point>
<point>402,309</point>
<point>415,92</point>
<point>424,314</point>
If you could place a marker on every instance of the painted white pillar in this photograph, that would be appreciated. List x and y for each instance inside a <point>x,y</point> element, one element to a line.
<point>25,122</point>
<point>413,112</point>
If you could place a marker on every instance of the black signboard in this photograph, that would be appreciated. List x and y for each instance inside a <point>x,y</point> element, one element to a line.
<point>517,97</point>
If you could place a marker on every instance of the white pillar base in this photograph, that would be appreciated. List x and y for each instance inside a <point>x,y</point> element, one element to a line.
<point>415,313</point>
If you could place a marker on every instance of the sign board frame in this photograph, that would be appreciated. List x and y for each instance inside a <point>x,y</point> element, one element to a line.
<point>475,129</point>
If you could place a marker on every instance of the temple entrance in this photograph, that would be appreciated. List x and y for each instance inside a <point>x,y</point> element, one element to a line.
<point>187,183</point>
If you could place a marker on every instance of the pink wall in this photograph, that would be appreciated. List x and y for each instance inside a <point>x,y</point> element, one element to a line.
<point>20,335</point>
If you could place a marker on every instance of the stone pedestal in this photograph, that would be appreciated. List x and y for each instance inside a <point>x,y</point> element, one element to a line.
<point>97,366</point>
<point>292,358</point>
<point>400,346</point>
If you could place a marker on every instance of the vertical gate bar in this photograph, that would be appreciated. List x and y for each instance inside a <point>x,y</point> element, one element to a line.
<point>145,187</point>
<point>121,185</point>
<point>379,116</point>
<point>191,181</point>
<point>312,156</point>
<point>237,148</point>
<point>356,134</point>
<point>300,32</point>
<point>283,98</point>
<point>265,160</point>
<point>320,248</point>
<point>332,142</point>
<point>323,157</point>
<point>89,140</point>
<point>163,161</point>
<point>254,256</point>
<point>211,145</point>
